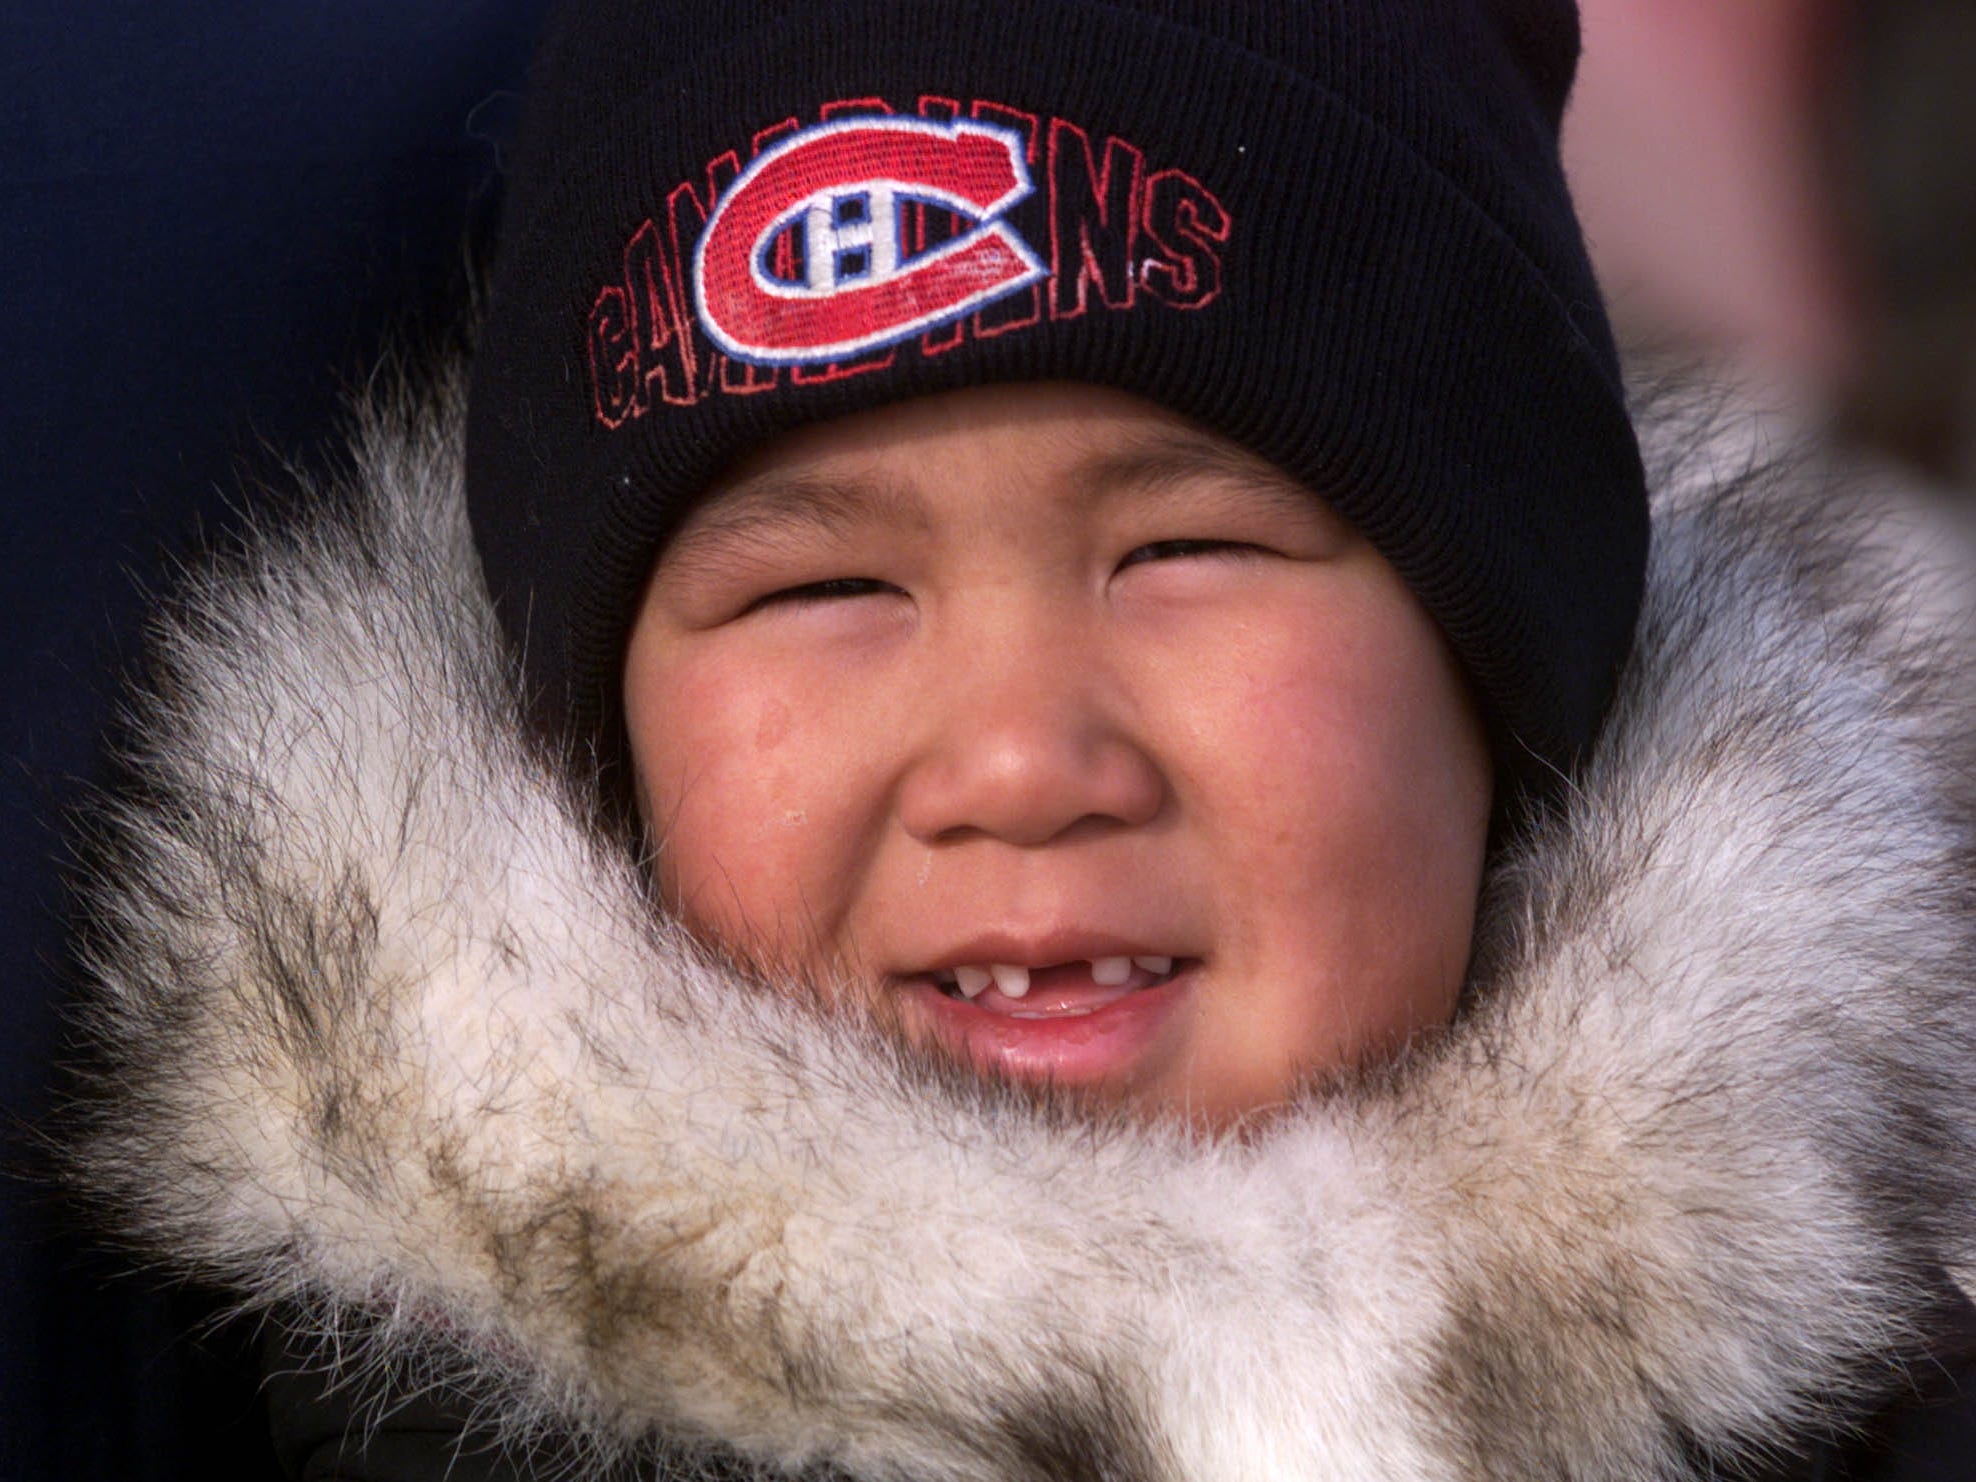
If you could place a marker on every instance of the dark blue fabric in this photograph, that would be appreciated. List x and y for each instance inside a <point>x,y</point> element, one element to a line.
<point>211,217</point>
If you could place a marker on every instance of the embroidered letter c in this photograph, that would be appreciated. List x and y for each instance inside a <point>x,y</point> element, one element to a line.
<point>803,260</point>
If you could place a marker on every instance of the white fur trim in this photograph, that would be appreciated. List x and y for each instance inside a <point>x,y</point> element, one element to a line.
<point>393,1031</point>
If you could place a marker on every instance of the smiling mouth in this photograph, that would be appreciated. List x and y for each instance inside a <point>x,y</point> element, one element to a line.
<point>1064,990</point>
<point>1095,1023</point>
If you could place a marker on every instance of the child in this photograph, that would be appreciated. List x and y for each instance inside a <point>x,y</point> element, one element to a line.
<point>1072,529</point>
<point>964,742</point>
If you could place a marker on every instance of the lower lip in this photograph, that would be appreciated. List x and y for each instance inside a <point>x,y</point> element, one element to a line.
<point>1066,1049</point>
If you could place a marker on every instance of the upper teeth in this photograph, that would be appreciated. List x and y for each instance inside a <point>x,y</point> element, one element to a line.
<point>1013,980</point>
<point>973,981</point>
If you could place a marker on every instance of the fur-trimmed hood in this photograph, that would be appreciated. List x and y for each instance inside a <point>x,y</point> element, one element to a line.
<point>393,1037</point>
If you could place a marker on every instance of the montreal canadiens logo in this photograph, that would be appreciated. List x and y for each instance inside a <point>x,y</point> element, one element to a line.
<point>804,259</point>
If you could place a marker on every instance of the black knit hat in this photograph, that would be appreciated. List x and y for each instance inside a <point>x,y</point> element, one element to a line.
<point>1335,231</point>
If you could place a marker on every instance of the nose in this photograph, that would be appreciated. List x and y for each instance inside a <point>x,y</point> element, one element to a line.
<point>1029,741</point>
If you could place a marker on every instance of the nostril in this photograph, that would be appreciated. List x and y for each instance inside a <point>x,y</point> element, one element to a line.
<point>1029,785</point>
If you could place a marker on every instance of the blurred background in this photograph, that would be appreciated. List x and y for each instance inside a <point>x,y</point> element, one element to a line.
<point>1790,186</point>
<point>213,217</point>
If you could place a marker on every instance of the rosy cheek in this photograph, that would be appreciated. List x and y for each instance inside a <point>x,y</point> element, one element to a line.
<point>746,794</point>
<point>1290,725</point>
<point>698,723</point>
<point>772,727</point>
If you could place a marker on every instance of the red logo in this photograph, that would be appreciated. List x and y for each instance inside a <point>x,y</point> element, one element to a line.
<point>869,235</point>
<point>804,260</point>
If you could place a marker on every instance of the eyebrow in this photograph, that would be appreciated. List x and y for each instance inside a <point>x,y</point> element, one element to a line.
<point>1181,458</point>
<point>776,505</point>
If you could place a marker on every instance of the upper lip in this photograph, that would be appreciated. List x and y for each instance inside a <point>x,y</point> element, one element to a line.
<point>1046,949</point>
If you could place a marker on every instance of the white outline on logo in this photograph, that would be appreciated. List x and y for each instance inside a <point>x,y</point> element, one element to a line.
<point>987,222</point>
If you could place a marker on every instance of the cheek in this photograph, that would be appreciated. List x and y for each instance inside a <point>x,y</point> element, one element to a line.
<point>1354,785</point>
<point>1380,744</point>
<point>1331,725</point>
<point>745,794</point>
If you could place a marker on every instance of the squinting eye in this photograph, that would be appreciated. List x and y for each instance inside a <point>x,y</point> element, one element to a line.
<point>1167,550</point>
<point>834,589</point>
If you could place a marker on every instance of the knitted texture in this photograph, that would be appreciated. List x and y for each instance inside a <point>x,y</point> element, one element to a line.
<point>1337,233</point>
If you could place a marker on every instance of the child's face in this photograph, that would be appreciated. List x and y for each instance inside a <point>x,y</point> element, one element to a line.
<point>1045,678</point>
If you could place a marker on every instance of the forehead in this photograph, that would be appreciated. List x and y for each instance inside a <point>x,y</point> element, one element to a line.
<point>1076,447</point>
